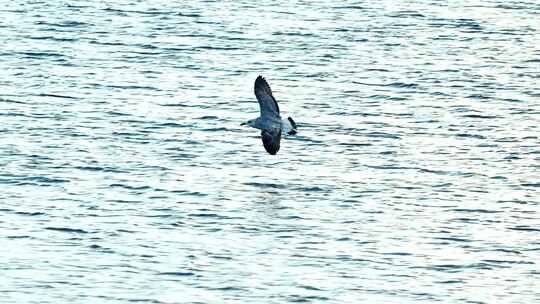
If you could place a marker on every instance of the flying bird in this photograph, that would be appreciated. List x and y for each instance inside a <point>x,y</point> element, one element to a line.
<point>270,123</point>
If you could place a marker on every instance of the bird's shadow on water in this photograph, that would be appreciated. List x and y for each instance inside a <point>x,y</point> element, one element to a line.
<point>268,200</point>
<point>268,204</point>
<point>274,213</point>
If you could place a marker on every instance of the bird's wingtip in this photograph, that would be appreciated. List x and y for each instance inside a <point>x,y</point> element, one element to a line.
<point>262,83</point>
<point>260,79</point>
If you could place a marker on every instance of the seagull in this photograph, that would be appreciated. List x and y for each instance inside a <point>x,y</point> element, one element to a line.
<point>270,122</point>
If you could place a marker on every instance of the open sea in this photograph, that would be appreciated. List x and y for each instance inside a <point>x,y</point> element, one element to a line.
<point>125,176</point>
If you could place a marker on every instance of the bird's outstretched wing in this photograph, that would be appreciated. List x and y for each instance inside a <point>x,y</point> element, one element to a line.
<point>271,139</point>
<point>271,130</point>
<point>267,102</point>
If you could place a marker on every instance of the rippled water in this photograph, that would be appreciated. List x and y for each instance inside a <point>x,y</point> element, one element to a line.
<point>126,176</point>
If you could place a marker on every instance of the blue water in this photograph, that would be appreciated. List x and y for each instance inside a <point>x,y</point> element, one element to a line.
<point>126,176</point>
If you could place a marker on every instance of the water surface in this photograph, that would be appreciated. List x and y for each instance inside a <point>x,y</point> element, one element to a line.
<point>126,176</point>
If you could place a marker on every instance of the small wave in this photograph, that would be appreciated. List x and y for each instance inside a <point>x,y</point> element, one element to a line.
<point>189,193</point>
<point>191,15</point>
<point>407,14</point>
<point>509,262</point>
<point>480,116</point>
<point>478,96</point>
<point>525,228</point>
<point>68,230</point>
<point>390,167</point>
<point>382,135</point>
<point>453,239</point>
<point>98,169</point>
<point>40,180</point>
<point>228,288</point>
<point>30,213</point>
<point>477,136</point>
<point>132,87</point>
<point>177,273</point>
<point>387,97</point>
<point>11,101</point>
<point>402,85</point>
<point>107,43</point>
<point>459,267</point>
<point>475,210</point>
<point>354,7</point>
<point>213,215</point>
<point>13,237</point>
<point>63,24</point>
<point>41,54</point>
<point>171,125</point>
<point>307,299</point>
<point>355,144</point>
<point>59,39</point>
<point>265,185</point>
<point>536,185</point>
<point>130,187</point>
<point>217,48</point>
<point>311,189</point>
<point>57,96</point>
<point>215,129</point>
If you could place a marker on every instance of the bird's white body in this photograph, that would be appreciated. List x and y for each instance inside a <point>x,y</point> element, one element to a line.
<point>287,126</point>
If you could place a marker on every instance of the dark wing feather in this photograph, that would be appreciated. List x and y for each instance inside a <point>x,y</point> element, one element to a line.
<point>271,140</point>
<point>267,102</point>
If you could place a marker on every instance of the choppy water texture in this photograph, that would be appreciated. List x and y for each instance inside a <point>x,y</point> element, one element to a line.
<point>126,177</point>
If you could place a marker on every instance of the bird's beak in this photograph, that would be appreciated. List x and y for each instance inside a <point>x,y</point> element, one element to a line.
<point>243,124</point>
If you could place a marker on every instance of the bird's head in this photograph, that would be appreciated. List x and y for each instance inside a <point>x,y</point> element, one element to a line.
<point>250,123</point>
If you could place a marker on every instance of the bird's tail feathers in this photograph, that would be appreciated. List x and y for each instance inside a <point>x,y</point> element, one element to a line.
<point>293,124</point>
